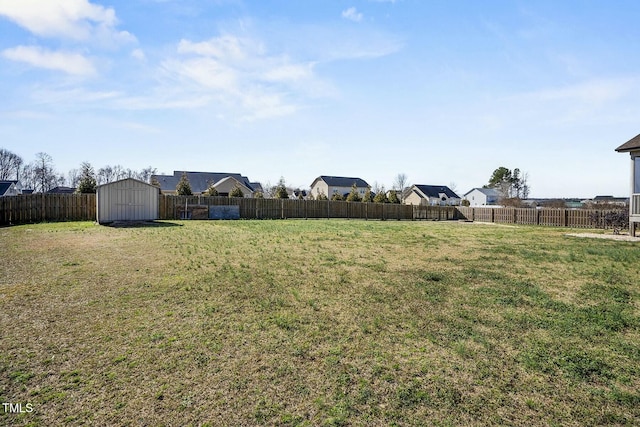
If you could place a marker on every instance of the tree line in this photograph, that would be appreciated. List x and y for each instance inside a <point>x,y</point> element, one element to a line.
<point>40,175</point>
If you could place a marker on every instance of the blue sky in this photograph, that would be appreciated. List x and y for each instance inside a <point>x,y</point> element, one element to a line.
<point>443,91</point>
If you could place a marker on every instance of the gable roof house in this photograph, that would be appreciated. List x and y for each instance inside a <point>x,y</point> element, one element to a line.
<point>330,185</point>
<point>432,195</point>
<point>482,197</point>
<point>10,188</point>
<point>200,182</point>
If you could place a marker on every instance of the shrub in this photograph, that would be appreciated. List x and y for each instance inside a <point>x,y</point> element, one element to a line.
<point>236,192</point>
<point>211,191</point>
<point>617,220</point>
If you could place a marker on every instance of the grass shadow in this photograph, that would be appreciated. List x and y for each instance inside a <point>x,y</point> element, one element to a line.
<point>140,224</point>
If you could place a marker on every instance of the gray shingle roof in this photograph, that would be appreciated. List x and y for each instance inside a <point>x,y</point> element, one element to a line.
<point>486,191</point>
<point>199,181</point>
<point>341,181</point>
<point>435,190</point>
<point>4,186</point>
<point>632,144</point>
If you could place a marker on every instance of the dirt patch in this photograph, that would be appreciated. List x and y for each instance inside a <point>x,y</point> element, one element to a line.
<point>619,237</point>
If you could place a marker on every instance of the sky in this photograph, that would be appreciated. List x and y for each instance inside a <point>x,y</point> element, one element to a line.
<point>442,91</point>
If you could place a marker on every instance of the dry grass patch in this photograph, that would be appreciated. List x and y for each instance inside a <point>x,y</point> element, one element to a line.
<point>317,323</point>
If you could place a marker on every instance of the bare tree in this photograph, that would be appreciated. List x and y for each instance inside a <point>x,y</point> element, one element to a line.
<point>45,174</point>
<point>10,164</point>
<point>105,175</point>
<point>400,184</point>
<point>145,174</point>
<point>73,177</point>
<point>28,177</point>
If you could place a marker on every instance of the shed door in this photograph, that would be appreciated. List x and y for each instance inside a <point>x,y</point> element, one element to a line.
<point>131,204</point>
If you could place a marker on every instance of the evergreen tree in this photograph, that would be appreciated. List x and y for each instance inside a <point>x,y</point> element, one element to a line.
<point>381,196</point>
<point>281,190</point>
<point>87,182</point>
<point>184,187</point>
<point>258,195</point>
<point>354,195</point>
<point>236,192</point>
<point>321,196</point>
<point>211,191</point>
<point>368,197</point>
<point>393,197</point>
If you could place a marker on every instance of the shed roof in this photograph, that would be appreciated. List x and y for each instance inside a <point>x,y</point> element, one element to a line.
<point>630,145</point>
<point>341,181</point>
<point>436,190</point>
<point>126,179</point>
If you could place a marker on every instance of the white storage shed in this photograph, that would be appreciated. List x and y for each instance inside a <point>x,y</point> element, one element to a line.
<point>127,200</point>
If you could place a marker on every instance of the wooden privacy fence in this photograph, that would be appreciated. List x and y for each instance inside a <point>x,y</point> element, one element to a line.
<point>173,207</point>
<point>575,218</point>
<point>82,207</point>
<point>30,208</point>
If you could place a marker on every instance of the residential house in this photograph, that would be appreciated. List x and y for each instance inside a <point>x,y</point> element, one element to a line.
<point>62,190</point>
<point>10,188</point>
<point>610,201</point>
<point>633,148</point>
<point>482,197</point>
<point>200,182</point>
<point>330,185</point>
<point>432,195</point>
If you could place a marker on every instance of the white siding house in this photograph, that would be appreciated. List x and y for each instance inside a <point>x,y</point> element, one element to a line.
<point>482,197</point>
<point>127,200</point>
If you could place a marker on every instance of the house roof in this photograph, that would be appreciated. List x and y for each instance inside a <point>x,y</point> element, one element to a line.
<point>5,186</point>
<point>436,190</point>
<point>61,190</point>
<point>199,181</point>
<point>231,178</point>
<point>486,191</point>
<point>630,145</point>
<point>341,181</point>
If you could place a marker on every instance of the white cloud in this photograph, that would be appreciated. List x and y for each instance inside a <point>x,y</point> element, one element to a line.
<point>68,62</point>
<point>352,14</point>
<point>72,19</point>
<point>138,54</point>
<point>594,92</point>
<point>241,75</point>
<point>226,47</point>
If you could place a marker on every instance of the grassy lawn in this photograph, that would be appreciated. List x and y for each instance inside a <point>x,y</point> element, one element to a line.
<point>317,323</point>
